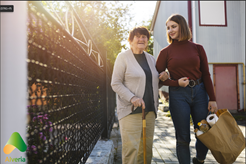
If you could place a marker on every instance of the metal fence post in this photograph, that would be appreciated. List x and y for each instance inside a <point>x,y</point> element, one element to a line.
<point>105,113</point>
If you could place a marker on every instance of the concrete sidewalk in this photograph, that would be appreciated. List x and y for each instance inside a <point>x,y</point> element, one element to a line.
<point>164,149</point>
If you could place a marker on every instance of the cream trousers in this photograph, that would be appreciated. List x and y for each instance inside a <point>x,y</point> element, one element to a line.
<point>131,129</point>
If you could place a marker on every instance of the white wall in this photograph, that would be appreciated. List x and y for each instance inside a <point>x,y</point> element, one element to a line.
<point>13,75</point>
<point>224,44</point>
<point>166,9</point>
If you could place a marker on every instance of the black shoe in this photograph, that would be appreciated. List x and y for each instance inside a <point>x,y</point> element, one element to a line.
<point>195,161</point>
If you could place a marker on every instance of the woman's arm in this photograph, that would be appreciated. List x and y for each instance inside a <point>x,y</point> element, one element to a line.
<point>205,74</point>
<point>212,105</point>
<point>161,65</point>
<point>118,76</point>
<point>163,76</point>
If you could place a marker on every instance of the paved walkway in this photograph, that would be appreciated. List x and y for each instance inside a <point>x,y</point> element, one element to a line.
<point>164,150</point>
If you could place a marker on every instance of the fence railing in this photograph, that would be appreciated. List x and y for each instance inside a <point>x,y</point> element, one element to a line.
<point>71,104</point>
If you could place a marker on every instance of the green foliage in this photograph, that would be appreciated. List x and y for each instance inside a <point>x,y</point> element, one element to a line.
<point>150,45</point>
<point>38,143</point>
<point>105,21</point>
<point>147,24</point>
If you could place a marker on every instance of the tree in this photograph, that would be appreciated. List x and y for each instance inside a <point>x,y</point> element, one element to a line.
<point>106,22</point>
<point>147,24</point>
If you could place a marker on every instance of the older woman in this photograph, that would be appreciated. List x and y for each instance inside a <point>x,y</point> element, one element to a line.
<point>135,80</point>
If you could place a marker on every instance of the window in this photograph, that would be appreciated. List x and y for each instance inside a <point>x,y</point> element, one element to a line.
<point>212,13</point>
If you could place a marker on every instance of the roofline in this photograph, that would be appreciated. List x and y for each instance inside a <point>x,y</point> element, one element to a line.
<point>158,3</point>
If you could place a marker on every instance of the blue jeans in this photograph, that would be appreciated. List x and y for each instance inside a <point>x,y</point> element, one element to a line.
<point>183,102</point>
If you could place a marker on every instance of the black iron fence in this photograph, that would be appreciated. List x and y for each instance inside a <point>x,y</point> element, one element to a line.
<point>71,104</point>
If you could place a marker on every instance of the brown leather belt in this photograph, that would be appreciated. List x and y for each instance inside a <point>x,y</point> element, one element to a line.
<point>193,83</point>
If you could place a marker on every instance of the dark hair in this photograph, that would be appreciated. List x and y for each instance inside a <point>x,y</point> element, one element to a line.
<point>184,30</point>
<point>138,30</point>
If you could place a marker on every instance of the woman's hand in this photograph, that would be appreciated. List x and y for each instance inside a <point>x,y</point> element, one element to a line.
<point>164,76</point>
<point>212,106</point>
<point>183,82</point>
<point>137,102</point>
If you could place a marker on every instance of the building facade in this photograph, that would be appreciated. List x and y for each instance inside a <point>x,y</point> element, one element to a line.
<point>220,27</point>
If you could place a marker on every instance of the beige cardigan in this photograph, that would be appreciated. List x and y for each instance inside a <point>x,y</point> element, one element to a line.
<point>128,80</point>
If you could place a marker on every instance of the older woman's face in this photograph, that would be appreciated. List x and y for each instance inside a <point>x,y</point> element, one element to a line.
<point>139,42</point>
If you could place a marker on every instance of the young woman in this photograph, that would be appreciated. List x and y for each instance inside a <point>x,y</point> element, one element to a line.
<point>190,86</point>
<point>135,80</point>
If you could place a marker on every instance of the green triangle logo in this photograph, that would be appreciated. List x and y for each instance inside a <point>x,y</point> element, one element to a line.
<point>15,141</point>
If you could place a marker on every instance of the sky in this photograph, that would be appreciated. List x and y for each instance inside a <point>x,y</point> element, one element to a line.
<point>141,11</point>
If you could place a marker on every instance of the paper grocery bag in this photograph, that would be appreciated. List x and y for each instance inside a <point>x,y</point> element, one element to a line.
<point>225,139</point>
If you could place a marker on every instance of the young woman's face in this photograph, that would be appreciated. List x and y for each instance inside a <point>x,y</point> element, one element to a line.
<point>173,29</point>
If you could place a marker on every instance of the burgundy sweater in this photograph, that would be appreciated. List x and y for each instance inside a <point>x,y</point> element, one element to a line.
<point>185,59</point>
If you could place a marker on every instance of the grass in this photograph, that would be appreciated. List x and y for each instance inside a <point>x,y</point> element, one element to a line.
<point>239,117</point>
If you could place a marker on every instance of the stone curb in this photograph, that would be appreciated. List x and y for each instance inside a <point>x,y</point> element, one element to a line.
<point>103,153</point>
